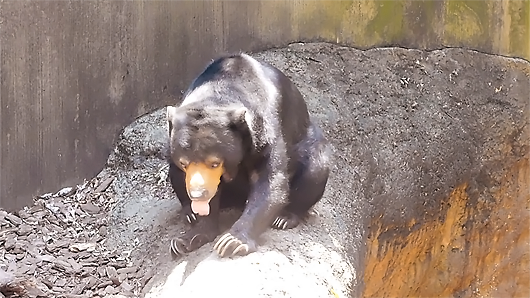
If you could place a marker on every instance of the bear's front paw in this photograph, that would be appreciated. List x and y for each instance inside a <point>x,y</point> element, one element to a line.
<point>286,220</point>
<point>191,217</point>
<point>190,241</point>
<point>234,244</point>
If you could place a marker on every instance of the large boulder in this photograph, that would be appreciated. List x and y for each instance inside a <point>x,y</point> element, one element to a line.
<point>423,143</point>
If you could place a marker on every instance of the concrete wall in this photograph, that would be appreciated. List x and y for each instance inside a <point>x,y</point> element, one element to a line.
<point>74,73</point>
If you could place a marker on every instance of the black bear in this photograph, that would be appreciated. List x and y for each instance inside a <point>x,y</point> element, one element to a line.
<point>242,137</point>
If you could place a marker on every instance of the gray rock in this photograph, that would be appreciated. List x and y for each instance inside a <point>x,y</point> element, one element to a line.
<point>386,113</point>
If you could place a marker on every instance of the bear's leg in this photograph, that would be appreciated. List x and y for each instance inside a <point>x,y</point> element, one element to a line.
<point>309,182</point>
<point>235,193</point>
<point>264,203</point>
<point>203,229</point>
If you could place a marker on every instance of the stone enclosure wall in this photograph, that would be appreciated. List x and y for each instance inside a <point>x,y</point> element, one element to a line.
<point>74,73</point>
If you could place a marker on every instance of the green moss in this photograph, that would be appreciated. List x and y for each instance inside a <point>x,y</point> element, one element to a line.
<point>467,22</point>
<point>387,25</point>
<point>478,24</point>
<point>427,8</point>
<point>422,22</point>
<point>520,29</point>
<point>331,15</point>
<point>525,50</point>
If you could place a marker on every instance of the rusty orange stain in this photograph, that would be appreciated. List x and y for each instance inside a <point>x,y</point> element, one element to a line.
<point>478,250</point>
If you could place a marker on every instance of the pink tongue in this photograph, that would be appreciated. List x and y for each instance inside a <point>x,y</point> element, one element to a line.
<point>201,208</point>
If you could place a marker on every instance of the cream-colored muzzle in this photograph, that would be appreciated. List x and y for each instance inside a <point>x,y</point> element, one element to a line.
<point>202,182</point>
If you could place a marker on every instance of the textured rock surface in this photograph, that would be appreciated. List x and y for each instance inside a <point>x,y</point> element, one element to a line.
<point>407,126</point>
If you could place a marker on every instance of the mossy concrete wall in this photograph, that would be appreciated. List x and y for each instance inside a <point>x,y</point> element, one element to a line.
<point>74,73</point>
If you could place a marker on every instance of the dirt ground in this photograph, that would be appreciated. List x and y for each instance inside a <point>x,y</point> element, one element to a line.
<point>405,124</point>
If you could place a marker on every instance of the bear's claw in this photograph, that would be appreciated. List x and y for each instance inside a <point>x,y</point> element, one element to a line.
<point>177,247</point>
<point>181,245</point>
<point>285,222</point>
<point>191,217</point>
<point>228,246</point>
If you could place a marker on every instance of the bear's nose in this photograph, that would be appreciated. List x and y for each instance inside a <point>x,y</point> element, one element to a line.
<point>198,193</point>
<point>196,180</point>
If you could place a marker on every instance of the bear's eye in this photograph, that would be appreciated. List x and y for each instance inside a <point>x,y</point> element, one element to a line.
<point>213,162</point>
<point>183,163</point>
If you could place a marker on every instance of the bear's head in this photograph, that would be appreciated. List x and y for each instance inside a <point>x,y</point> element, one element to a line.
<point>208,144</point>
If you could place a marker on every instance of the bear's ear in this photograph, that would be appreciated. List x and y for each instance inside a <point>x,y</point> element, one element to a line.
<point>243,119</point>
<point>240,115</point>
<point>171,113</point>
<point>173,116</point>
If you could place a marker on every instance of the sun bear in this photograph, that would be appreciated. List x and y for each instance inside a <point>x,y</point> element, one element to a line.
<point>242,137</point>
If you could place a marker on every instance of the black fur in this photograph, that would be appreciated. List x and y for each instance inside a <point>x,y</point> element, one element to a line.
<point>253,116</point>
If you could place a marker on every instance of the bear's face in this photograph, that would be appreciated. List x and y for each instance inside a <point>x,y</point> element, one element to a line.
<point>206,144</point>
